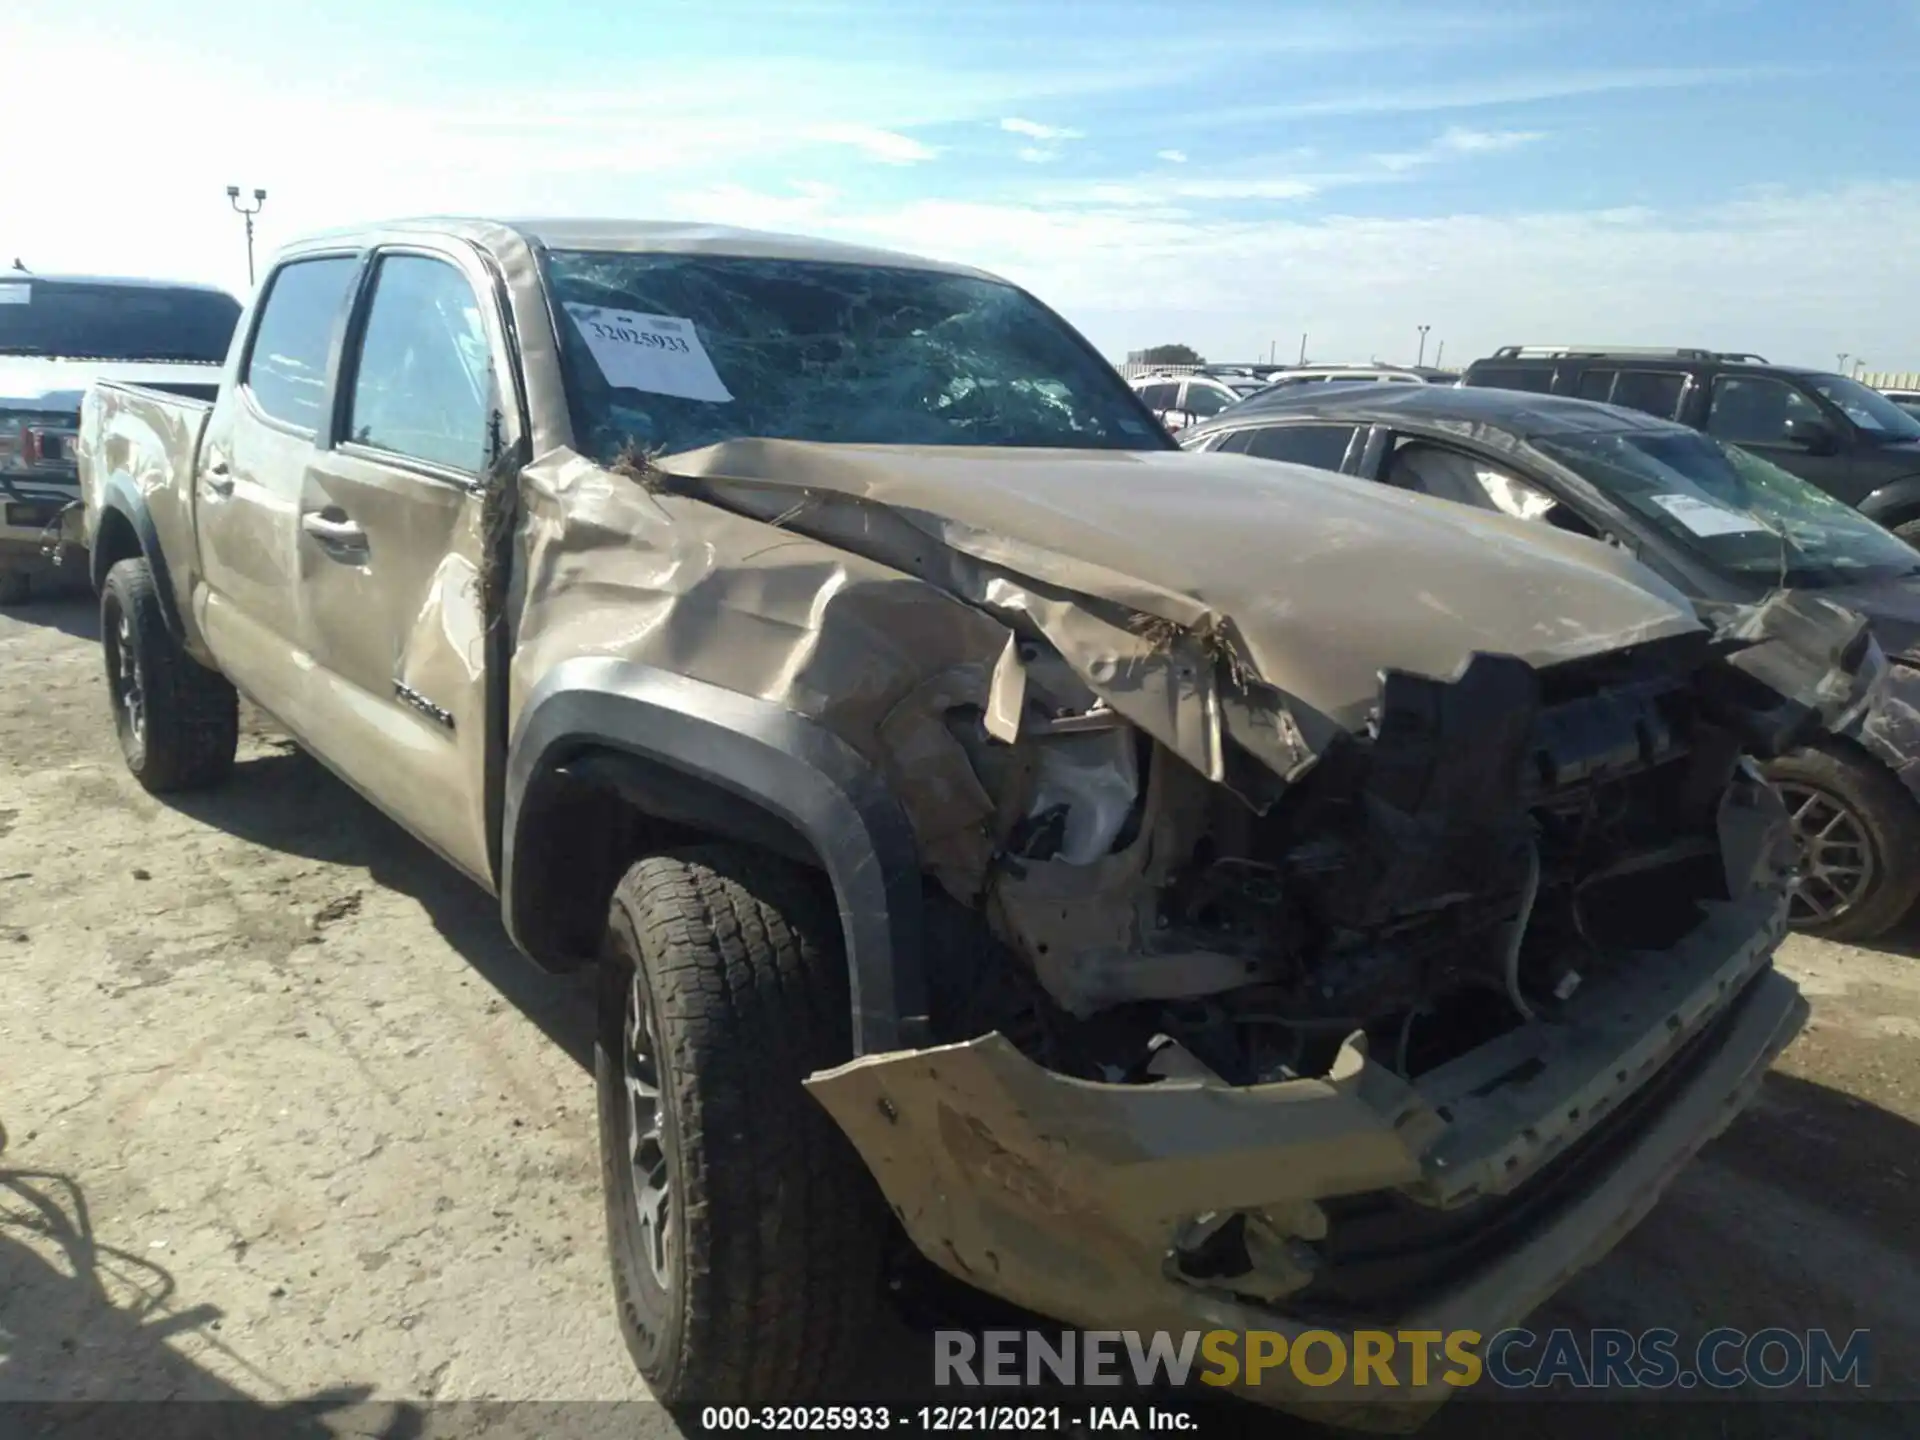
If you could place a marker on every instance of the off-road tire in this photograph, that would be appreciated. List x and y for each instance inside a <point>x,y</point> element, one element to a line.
<point>1889,818</point>
<point>16,587</point>
<point>775,1283</point>
<point>191,716</point>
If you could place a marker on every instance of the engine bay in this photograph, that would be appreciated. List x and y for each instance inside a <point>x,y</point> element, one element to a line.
<point>1487,847</point>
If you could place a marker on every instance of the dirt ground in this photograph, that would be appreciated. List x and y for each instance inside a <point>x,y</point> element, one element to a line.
<point>283,1118</point>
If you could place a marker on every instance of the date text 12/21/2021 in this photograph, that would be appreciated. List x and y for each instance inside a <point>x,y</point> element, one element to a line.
<point>942,1419</point>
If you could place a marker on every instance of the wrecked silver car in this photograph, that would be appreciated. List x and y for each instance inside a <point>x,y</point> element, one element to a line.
<point>1187,891</point>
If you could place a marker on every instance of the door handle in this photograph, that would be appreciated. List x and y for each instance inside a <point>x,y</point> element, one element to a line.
<point>340,537</point>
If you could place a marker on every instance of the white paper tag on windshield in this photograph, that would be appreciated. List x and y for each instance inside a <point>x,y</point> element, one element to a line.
<point>1703,517</point>
<point>660,354</point>
<point>15,292</point>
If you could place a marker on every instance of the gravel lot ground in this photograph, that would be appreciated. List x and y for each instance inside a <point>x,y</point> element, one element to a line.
<point>284,1118</point>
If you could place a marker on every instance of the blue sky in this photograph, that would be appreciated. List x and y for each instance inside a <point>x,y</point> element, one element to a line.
<point>1223,172</point>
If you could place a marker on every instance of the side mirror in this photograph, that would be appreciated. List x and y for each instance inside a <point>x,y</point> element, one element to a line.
<point>1816,437</point>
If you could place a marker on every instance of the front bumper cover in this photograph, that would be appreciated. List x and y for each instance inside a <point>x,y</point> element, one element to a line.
<point>1068,1197</point>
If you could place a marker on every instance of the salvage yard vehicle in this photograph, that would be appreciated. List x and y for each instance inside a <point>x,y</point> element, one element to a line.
<point>1725,527</point>
<point>1003,837</point>
<point>58,334</point>
<point>1178,400</point>
<point>1370,374</point>
<point>1830,430</point>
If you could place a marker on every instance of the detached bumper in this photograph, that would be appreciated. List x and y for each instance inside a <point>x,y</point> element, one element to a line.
<point>1069,1197</point>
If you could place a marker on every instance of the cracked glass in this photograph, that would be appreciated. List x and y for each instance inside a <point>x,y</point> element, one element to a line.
<point>829,351</point>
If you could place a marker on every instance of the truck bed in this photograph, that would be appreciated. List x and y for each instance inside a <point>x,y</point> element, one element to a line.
<point>148,438</point>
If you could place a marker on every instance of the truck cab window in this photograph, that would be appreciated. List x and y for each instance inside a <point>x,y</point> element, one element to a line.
<point>1324,447</point>
<point>1204,401</point>
<point>1754,410</point>
<point>287,364</point>
<point>1448,474</point>
<point>422,384</point>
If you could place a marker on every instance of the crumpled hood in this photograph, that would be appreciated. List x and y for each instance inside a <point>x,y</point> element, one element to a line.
<point>1327,580</point>
<point>1892,607</point>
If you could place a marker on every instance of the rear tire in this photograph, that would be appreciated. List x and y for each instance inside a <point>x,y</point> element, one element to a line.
<point>1863,863</point>
<point>746,1238</point>
<point>16,587</point>
<point>178,722</point>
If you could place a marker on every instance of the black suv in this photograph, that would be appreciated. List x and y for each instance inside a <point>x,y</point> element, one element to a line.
<point>1720,525</point>
<point>1851,441</point>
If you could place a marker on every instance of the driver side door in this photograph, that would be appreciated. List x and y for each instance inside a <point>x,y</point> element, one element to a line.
<point>391,544</point>
<point>1760,412</point>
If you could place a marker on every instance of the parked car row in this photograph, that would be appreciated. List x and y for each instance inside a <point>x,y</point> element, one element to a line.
<point>1181,400</point>
<point>1158,887</point>
<point>1844,437</point>
<point>1721,522</point>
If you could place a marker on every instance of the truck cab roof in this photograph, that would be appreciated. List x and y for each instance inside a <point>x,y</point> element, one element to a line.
<point>634,237</point>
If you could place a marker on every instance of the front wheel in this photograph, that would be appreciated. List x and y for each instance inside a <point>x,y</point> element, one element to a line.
<point>178,722</point>
<point>1859,836</point>
<point>746,1238</point>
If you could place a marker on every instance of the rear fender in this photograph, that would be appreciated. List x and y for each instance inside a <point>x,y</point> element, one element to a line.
<point>126,531</point>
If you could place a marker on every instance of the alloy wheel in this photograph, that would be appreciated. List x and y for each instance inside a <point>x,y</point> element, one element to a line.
<point>128,693</point>
<point>1836,867</point>
<point>646,1147</point>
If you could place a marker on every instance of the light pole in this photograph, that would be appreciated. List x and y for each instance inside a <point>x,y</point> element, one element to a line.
<point>1842,366</point>
<point>259,199</point>
<point>1439,355</point>
<point>1423,345</point>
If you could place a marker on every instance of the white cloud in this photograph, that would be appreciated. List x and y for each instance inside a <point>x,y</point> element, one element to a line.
<point>1034,130</point>
<point>887,146</point>
<point>1172,157</point>
<point>1035,155</point>
<point>1456,142</point>
<point>1471,141</point>
<point>1474,94</point>
<point>1359,285</point>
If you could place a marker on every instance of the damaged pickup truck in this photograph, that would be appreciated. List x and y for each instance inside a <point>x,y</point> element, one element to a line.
<point>1186,891</point>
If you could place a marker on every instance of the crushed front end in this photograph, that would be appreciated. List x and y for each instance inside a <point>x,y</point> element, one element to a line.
<point>1403,1047</point>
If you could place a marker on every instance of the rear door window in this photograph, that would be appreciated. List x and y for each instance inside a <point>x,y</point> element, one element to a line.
<point>1657,392</point>
<point>1322,446</point>
<point>1160,397</point>
<point>287,364</point>
<point>1596,385</point>
<point>1538,379</point>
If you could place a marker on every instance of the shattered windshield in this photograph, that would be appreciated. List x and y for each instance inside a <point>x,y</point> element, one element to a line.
<point>1737,512</point>
<point>671,352</point>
